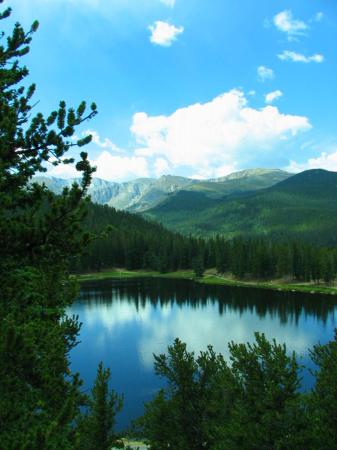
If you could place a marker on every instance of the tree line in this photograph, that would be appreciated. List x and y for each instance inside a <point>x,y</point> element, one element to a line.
<point>135,243</point>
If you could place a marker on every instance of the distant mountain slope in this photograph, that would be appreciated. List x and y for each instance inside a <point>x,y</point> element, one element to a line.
<point>145,193</point>
<point>242,181</point>
<point>303,205</point>
<point>101,191</point>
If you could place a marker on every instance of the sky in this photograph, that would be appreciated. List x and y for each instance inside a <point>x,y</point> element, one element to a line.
<point>197,88</point>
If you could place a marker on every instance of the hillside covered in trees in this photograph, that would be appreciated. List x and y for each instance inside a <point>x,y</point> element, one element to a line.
<point>301,207</point>
<point>135,243</point>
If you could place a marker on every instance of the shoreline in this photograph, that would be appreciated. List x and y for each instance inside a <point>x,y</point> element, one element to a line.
<point>212,278</point>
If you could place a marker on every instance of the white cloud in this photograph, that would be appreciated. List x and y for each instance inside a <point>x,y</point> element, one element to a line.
<point>211,138</point>
<point>169,3</point>
<point>161,167</point>
<point>105,143</point>
<point>65,171</point>
<point>109,167</point>
<point>288,55</point>
<point>264,73</point>
<point>114,167</point>
<point>269,98</point>
<point>119,168</point>
<point>163,33</point>
<point>285,22</point>
<point>325,160</point>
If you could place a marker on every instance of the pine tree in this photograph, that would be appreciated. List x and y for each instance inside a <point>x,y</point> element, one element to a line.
<point>198,266</point>
<point>268,401</point>
<point>324,399</point>
<point>327,267</point>
<point>188,413</point>
<point>97,427</point>
<point>40,236</point>
<point>253,403</point>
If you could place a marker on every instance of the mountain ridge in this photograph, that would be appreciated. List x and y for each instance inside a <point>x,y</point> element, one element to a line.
<point>142,194</point>
<point>303,205</point>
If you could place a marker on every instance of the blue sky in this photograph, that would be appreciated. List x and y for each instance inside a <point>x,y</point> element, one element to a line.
<point>199,88</point>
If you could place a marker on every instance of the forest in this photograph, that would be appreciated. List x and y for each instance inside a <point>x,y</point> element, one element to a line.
<point>135,243</point>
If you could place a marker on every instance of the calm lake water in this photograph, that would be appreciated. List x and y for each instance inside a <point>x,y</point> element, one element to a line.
<point>126,321</point>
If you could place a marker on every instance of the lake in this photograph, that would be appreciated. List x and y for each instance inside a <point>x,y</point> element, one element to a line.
<point>126,321</point>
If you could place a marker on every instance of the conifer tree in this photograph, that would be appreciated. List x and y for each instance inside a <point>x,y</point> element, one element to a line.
<point>40,234</point>
<point>97,427</point>
<point>324,398</point>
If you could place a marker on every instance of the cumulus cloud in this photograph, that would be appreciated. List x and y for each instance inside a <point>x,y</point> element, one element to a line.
<point>325,160</point>
<point>110,166</point>
<point>119,168</point>
<point>285,22</point>
<point>264,73</point>
<point>163,33</point>
<point>64,171</point>
<point>114,167</point>
<point>288,55</point>
<point>272,96</point>
<point>211,138</point>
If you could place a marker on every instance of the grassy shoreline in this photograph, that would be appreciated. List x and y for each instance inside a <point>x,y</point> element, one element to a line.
<point>210,277</point>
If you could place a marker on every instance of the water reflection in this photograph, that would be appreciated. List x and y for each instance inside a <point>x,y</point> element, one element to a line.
<point>283,305</point>
<point>126,321</point>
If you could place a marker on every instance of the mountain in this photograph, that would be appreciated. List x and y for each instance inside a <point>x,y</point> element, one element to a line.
<point>303,205</point>
<point>145,193</point>
<point>242,181</point>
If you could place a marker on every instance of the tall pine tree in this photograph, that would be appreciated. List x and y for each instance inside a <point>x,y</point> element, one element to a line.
<point>40,235</point>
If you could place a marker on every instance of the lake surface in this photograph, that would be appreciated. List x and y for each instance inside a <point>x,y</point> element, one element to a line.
<point>126,321</point>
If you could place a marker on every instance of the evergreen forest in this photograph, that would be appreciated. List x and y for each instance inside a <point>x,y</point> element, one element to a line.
<point>132,242</point>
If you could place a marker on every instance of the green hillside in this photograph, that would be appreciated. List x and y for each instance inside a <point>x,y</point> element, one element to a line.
<point>242,181</point>
<point>304,205</point>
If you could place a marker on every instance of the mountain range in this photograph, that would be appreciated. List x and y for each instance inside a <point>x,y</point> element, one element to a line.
<point>143,194</point>
<point>250,202</point>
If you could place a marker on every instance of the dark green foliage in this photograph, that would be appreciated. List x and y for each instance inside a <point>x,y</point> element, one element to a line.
<point>187,414</point>
<point>198,266</point>
<point>324,397</point>
<point>136,243</point>
<point>254,402</point>
<point>267,398</point>
<point>301,207</point>
<point>97,426</point>
<point>40,235</point>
